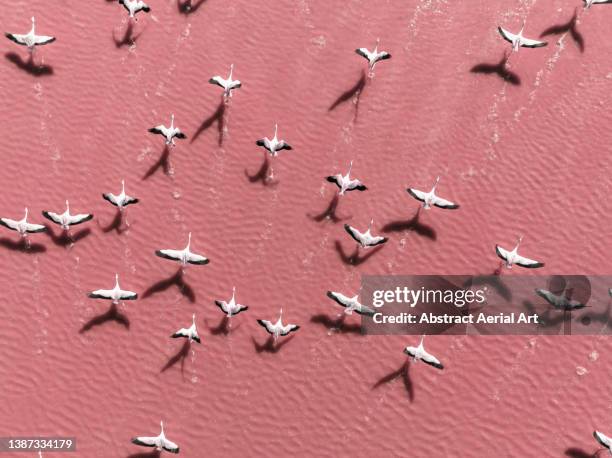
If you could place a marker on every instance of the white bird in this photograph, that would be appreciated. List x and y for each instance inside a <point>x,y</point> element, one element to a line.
<point>561,302</point>
<point>345,183</point>
<point>30,39</point>
<point>159,442</point>
<point>603,440</point>
<point>350,304</point>
<point>374,56</point>
<point>278,329</point>
<point>184,256</point>
<point>512,257</point>
<point>116,294</point>
<point>169,133</point>
<point>430,198</point>
<point>227,84</point>
<point>22,226</point>
<point>231,308</point>
<point>120,200</point>
<point>135,6</point>
<point>419,353</point>
<point>275,145</point>
<point>365,239</point>
<point>190,333</point>
<point>66,219</point>
<point>518,40</point>
<point>589,3</point>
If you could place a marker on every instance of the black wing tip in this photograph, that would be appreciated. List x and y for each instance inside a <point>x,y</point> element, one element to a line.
<point>533,266</point>
<point>181,135</point>
<point>361,187</point>
<point>499,253</point>
<point>260,143</point>
<point>197,339</point>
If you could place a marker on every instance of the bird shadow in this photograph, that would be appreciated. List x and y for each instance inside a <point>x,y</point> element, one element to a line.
<point>571,26</point>
<point>262,174</point>
<point>574,452</point>
<point>413,224</point>
<point>221,328</point>
<point>163,162</point>
<point>115,224</point>
<point>177,280</point>
<point>330,212</point>
<point>152,454</point>
<point>28,65</point>
<point>22,246</point>
<point>500,69</point>
<point>65,238</point>
<point>179,356</point>
<point>403,373</point>
<point>217,117</point>
<point>355,259</point>
<point>269,346</point>
<point>354,91</point>
<point>494,281</point>
<point>112,314</point>
<point>338,325</point>
<point>188,7</point>
<point>128,38</point>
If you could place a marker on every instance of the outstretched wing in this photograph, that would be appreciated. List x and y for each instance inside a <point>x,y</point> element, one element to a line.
<point>336,179</point>
<point>10,223</point>
<point>158,130</point>
<point>43,40</point>
<point>508,36</point>
<point>341,299</point>
<point>526,262</point>
<point>418,195</point>
<point>354,233</point>
<point>443,203</point>
<point>145,441</point>
<point>112,198</point>
<point>501,252</point>
<point>378,240</point>
<point>283,145</point>
<point>364,310</point>
<point>356,184</point>
<point>432,361</point>
<point>266,324</point>
<point>168,445</point>
<point>218,81</point>
<point>602,439</point>
<point>174,255</point>
<point>128,295</point>
<point>529,43</point>
<point>33,228</point>
<point>101,294</point>
<point>288,329</point>
<point>17,38</point>
<point>80,218</point>
<point>363,52</point>
<point>52,217</point>
<point>193,258</point>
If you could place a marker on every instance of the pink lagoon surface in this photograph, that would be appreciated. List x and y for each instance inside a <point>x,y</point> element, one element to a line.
<point>528,154</point>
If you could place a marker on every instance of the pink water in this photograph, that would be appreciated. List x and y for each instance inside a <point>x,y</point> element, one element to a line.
<point>527,159</point>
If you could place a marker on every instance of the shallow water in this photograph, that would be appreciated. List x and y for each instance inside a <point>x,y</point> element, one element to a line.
<point>528,158</point>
